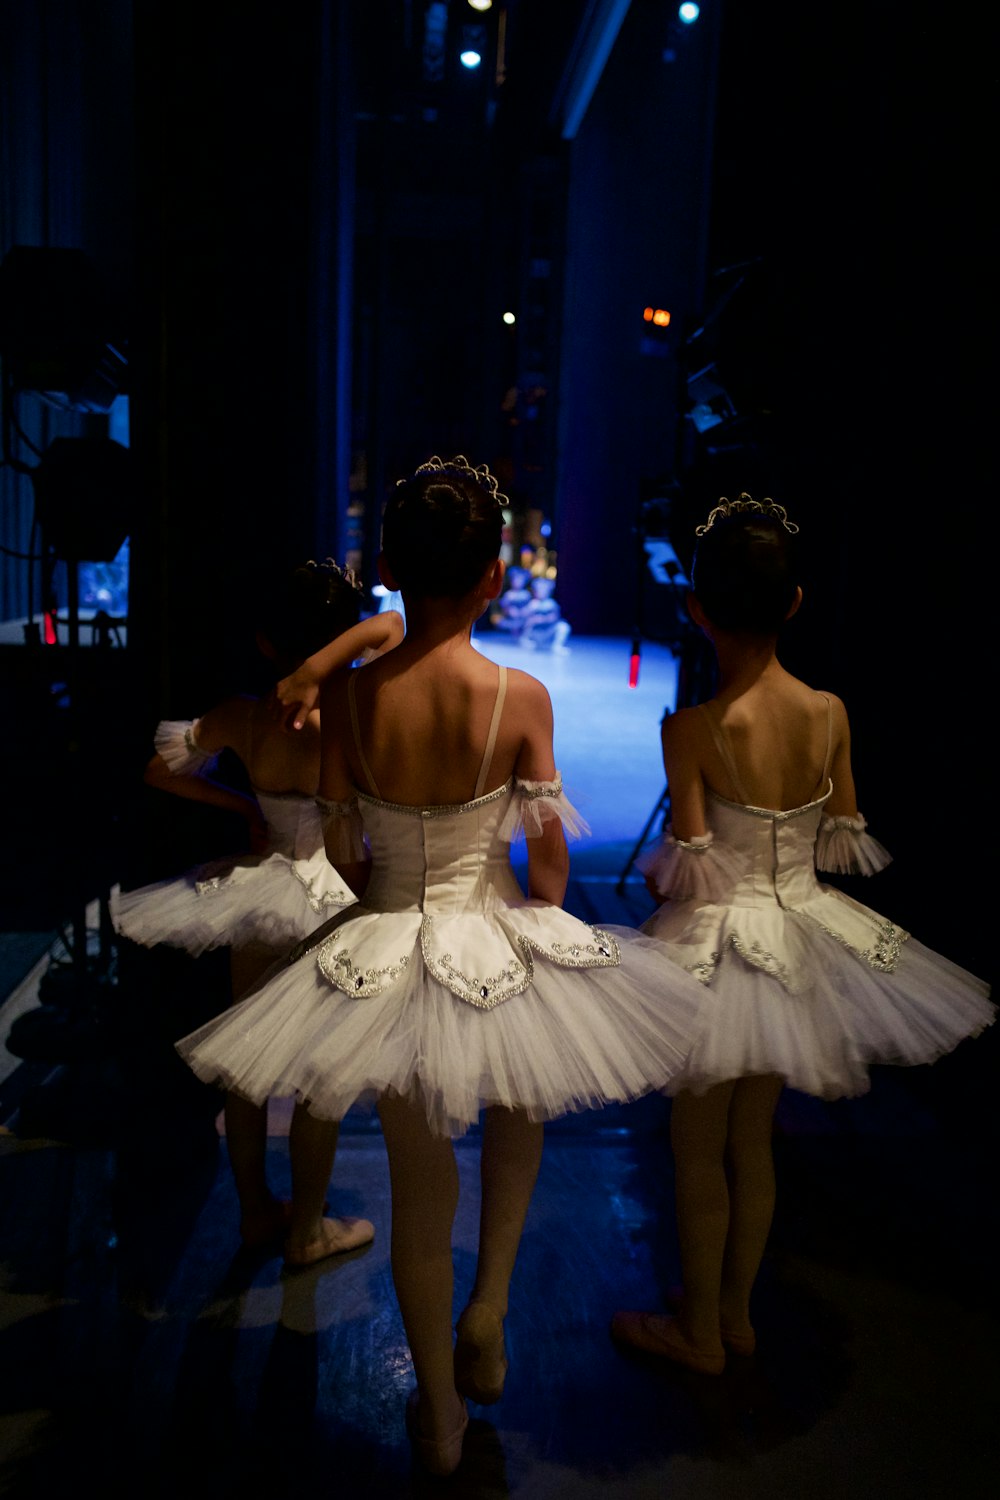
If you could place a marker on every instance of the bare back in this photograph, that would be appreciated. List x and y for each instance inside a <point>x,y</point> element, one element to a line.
<point>424,721</point>
<point>773,747</point>
<point>774,743</point>
<point>275,760</point>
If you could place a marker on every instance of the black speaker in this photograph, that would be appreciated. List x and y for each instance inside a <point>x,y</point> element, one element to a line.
<point>84,498</point>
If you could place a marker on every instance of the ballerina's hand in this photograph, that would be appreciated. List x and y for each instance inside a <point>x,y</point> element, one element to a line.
<point>293,699</point>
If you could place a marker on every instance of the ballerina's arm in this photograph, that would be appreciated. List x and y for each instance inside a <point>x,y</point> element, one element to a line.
<point>298,693</point>
<point>548,857</point>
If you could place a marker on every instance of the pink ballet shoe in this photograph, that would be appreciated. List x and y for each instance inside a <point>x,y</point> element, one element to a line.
<point>439,1456</point>
<point>657,1333</point>
<point>480,1356</point>
<point>337,1236</point>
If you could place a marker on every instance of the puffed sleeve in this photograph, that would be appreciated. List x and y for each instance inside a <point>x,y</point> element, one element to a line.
<point>343,831</point>
<point>695,869</point>
<point>844,848</point>
<point>536,803</point>
<point>176,740</point>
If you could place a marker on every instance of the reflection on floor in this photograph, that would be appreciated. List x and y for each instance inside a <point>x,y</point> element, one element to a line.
<point>142,1354</point>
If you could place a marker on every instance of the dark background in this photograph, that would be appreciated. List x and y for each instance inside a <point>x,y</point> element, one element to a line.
<point>306,243</point>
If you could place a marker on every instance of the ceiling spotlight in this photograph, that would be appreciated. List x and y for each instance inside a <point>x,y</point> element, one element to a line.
<point>470,58</point>
<point>481,4</point>
<point>509,319</point>
<point>689,12</point>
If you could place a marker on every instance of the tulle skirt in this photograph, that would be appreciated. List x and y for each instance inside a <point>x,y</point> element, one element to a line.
<point>268,899</point>
<point>573,1039</point>
<point>820,1014</point>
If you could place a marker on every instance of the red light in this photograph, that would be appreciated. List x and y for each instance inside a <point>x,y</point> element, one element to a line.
<point>51,634</point>
<point>633,666</point>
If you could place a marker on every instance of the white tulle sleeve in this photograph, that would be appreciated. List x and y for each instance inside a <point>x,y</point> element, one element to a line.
<point>536,803</point>
<point>343,831</point>
<point>694,869</point>
<point>176,740</point>
<point>844,848</point>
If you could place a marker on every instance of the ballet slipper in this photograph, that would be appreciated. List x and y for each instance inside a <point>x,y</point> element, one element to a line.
<point>480,1356</point>
<point>335,1237</point>
<point>657,1333</point>
<point>439,1456</point>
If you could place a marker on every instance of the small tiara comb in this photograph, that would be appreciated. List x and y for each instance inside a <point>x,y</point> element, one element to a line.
<point>346,572</point>
<point>481,475</point>
<point>765,507</point>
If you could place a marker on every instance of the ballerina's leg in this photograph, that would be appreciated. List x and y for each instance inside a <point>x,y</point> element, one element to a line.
<point>423,1177</point>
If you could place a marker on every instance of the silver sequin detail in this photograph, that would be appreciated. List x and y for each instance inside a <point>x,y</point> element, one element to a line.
<point>446,810</point>
<point>324,901</point>
<point>602,953</point>
<point>482,991</point>
<point>541,789</point>
<point>336,964</point>
<point>884,953</point>
<point>761,958</point>
<point>775,814</point>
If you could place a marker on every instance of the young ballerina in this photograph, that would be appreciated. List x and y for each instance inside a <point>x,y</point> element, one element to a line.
<point>258,905</point>
<point>805,986</point>
<point>445,991</point>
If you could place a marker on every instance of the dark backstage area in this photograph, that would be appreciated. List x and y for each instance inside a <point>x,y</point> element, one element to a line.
<point>624,1126</point>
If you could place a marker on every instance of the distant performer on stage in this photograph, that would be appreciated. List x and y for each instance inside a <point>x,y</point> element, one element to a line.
<point>804,986</point>
<point>542,625</point>
<point>446,990</point>
<point>257,905</point>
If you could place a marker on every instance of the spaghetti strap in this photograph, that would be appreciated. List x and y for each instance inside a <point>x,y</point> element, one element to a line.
<point>824,779</point>
<point>357,735</point>
<point>722,745</point>
<point>484,769</point>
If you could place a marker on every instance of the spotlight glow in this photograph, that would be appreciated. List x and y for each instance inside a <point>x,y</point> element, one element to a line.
<point>481,4</point>
<point>509,318</point>
<point>689,12</point>
<point>470,59</point>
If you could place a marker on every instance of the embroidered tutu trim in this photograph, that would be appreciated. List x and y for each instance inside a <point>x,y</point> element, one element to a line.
<point>695,869</point>
<point>343,831</point>
<point>176,740</point>
<point>844,848</point>
<point>536,803</point>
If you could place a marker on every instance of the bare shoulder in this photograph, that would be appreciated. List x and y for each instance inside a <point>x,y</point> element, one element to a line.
<point>684,727</point>
<point>225,726</point>
<point>526,688</point>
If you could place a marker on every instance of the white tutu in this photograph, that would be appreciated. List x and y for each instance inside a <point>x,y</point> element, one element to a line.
<point>275,898</point>
<point>232,902</point>
<point>800,979</point>
<point>447,986</point>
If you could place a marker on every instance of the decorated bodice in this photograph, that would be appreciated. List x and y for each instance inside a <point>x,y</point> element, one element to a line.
<point>294,828</point>
<point>442,861</point>
<point>773,853</point>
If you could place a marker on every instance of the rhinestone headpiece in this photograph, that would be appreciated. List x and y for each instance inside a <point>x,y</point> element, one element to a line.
<point>765,507</point>
<point>347,573</point>
<point>481,475</point>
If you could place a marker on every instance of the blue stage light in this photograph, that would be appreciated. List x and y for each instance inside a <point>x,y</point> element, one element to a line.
<point>470,59</point>
<point>689,12</point>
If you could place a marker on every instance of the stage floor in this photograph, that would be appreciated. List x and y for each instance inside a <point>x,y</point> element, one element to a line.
<point>144,1353</point>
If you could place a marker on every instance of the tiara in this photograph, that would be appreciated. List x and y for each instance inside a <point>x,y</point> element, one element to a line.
<point>765,507</point>
<point>347,573</point>
<point>481,475</point>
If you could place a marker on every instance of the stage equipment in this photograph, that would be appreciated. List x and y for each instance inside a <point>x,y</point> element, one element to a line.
<point>84,498</point>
